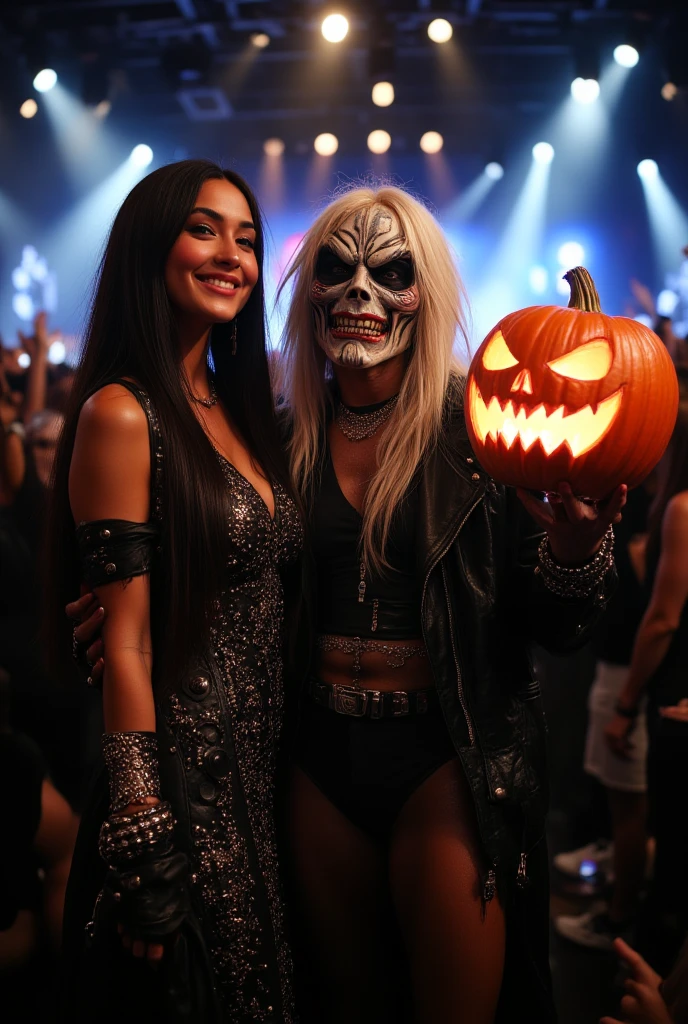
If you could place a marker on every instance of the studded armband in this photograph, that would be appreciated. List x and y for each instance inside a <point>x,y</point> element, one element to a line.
<point>116,549</point>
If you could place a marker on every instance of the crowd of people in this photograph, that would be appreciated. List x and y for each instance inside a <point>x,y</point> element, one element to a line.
<point>290,742</point>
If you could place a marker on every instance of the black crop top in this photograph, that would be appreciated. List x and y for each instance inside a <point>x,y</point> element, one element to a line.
<point>391,605</point>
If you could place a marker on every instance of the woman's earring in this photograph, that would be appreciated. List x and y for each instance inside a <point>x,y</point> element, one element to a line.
<point>234,336</point>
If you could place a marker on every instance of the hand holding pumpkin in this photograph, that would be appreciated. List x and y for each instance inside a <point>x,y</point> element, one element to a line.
<point>575,528</point>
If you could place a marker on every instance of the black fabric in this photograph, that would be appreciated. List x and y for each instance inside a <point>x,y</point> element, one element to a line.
<point>368,769</point>
<point>116,549</point>
<point>22,771</point>
<point>669,684</point>
<point>336,535</point>
<point>613,640</point>
<point>663,920</point>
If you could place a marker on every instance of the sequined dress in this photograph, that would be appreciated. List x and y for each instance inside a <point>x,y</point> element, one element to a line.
<point>235,869</point>
<point>218,725</point>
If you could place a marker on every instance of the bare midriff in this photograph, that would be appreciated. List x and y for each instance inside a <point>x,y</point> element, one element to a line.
<point>376,673</point>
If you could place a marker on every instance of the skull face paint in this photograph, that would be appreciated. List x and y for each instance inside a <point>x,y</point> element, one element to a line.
<point>364,294</point>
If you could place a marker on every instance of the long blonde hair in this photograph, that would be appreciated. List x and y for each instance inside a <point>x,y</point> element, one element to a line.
<point>415,423</point>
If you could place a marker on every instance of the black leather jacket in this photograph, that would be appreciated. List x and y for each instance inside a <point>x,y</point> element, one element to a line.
<point>484,607</point>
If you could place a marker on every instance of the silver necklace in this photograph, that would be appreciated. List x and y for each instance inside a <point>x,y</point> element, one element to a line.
<point>211,400</point>
<point>357,426</point>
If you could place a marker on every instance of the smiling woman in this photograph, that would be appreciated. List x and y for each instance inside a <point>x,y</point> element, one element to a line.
<point>176,479</point>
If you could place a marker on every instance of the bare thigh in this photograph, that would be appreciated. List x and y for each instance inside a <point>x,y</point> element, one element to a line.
<point>344,909</point>
<point>455,945</point>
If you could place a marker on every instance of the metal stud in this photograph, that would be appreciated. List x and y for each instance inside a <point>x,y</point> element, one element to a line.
<point>500,792</point>
<point>105,534</point>
<point>475,477</point>
<point>110,568</point>
<point>469,460</point>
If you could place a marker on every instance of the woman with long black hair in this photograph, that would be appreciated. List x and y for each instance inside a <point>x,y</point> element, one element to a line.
<point>171,467</point>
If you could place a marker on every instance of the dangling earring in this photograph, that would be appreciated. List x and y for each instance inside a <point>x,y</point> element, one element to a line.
<point>234,337</point>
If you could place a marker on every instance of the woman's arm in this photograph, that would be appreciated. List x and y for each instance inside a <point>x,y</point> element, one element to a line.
<point>109,479</point>
<point>661,620</point>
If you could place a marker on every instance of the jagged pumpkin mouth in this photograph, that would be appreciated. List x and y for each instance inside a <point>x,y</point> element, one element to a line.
<point>579,431</point>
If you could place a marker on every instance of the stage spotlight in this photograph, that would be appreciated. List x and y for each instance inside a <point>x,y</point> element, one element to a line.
<point>585,90</point>
<point>494,170</point>
<point>543,153</point>
<point>647,169</point>
<point>626,55</point>
<point>326,144</point>
<point>24,360</point>
<point>667,301</point>
<point>273,147</point>
<point>45,80</point>
<point>141,155</point>
<point>538,279</point>
<point>29,108</point>
<point>571,254</point>
<point>335,27</point>
<point>57,352</point>
<point>383,94</point>
<point>260,40</point>
<point>379,141</point>
<point>669,91</point>
<point>431,142</point>
<point>440,30</point>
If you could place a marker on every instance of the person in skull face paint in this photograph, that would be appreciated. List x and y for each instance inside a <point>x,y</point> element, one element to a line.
<point>416,803</point>
<point>416,807</point>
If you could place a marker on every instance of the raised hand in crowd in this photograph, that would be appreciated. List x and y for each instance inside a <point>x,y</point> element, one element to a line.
<point>643,1002</point>
<point>37,345</point>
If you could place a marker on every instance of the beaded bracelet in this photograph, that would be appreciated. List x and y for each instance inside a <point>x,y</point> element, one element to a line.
<point>125,837</point>
<point>132,763</point>
<point>575,581</point>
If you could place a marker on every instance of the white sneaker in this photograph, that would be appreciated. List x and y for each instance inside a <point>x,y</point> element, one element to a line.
<point>593,859</point>
<point>593,929</point>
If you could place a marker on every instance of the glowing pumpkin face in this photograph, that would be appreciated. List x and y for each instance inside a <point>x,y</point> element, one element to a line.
<point>559,394</point>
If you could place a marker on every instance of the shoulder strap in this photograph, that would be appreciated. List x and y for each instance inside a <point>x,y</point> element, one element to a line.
<point>155,435</point>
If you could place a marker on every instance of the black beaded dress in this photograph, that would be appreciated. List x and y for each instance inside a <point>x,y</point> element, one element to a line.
<point>219,735</point>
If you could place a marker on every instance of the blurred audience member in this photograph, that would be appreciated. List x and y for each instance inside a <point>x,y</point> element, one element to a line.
<point>35,857</point>
<point>648,999</point>
<point>624,780</point>
<point>659,669</point>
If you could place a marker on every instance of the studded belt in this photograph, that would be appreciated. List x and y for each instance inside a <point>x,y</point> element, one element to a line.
<point>351,700</point>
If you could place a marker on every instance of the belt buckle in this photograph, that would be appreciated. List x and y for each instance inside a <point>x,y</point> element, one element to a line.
<point>347,700</point>
<point>400,703</point>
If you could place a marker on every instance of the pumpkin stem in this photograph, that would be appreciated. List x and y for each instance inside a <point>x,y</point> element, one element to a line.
<point>583,291</point>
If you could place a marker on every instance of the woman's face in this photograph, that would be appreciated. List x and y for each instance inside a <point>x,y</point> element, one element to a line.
<point>212,268</point>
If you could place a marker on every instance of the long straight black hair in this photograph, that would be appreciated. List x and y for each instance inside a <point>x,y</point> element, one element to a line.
<point>132,333</point>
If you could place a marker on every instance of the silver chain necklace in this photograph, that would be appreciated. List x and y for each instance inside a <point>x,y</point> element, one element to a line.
<point>357,426</point>
<point>211,400</point>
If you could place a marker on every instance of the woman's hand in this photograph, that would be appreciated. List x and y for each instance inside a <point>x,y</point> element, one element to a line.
<point>643,1003</point>
<point>678,712</point>
<point>90,616</point>
<point>575,528</point>
<point>617,734</point>
<point>151,951</point>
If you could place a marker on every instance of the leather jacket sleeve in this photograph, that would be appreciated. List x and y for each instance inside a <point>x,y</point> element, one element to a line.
<point>556,623</point>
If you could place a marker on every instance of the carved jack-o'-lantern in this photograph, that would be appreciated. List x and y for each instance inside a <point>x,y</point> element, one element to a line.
<point>558,393</point>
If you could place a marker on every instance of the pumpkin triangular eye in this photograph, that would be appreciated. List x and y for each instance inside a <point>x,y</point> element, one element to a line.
<point>497,355</point>
<point>591,361</point>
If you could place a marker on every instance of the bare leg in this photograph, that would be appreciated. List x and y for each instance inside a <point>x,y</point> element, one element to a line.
<point>340,876</point>
<point>456,950</point>
<point>629,814</point>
